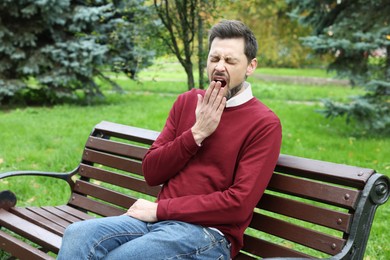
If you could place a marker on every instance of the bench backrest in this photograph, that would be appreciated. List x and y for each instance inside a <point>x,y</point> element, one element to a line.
<point>309,206</point>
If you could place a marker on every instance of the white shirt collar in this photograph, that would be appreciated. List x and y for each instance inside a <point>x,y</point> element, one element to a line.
<point>241,98</point>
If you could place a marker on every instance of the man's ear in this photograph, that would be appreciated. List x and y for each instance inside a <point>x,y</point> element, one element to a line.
<point>251,67</point>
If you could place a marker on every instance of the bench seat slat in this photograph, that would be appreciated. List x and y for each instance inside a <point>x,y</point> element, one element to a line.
<point>303,211</point>
<point>265,248</point>
<point>118,179</point>
<point>321,192</point>
<point>61,214</point>
<point>35,233</point>
<point>110,146</point>
<point>74,212</point>
<point>49,216</point>
<point>128,132</point>
<point>104,194</point>
<point>301,235</point>
<point>20,249</point>
<point>113,161</point>
<point>94,206</point>
<point>38,220</point>
<point>324,171</point>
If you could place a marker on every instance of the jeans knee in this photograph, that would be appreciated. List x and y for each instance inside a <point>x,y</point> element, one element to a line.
<point>74,230</point>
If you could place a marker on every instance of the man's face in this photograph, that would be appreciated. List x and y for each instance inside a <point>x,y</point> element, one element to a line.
<point>228,64</point>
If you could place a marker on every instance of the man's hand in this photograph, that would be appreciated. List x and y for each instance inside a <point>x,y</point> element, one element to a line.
<point>143,210</point>
<point>209,111</point>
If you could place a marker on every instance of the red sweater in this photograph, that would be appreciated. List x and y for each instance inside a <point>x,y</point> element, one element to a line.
<point>219,183</point>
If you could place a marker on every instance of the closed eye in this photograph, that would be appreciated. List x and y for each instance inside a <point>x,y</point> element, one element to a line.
<point>231,60</point>
<point>214,59</point>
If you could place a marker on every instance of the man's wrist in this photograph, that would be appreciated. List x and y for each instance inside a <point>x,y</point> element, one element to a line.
<point>197,136</point>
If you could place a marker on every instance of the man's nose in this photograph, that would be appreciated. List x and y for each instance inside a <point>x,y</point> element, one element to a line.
<point>220,65</point>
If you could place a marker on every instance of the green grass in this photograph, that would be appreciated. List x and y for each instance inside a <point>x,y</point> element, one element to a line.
<point>313,72</point>
<point>52,138</point>
<point>167,68</point>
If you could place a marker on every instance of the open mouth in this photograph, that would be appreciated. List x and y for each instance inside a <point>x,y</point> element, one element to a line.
<point>223,82</point>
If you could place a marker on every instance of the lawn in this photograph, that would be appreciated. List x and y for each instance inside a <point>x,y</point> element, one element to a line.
<point>52,138</point>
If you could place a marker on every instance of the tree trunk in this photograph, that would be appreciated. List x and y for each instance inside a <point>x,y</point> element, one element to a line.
<point>190,75</point>
<point>200,49</point>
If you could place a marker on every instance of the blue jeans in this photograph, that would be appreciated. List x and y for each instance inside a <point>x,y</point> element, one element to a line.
<point>124,237</point>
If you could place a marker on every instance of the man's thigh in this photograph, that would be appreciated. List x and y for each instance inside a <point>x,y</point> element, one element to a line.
<point>92,239</point>
<point>174,240</point>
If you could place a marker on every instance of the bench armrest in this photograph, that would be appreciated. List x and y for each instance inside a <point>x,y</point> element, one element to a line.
<point>375,193</point>
<point>8,198</point>
<point>59,175</point>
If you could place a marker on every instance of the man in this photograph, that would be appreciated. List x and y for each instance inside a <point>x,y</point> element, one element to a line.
<point>214,158</point>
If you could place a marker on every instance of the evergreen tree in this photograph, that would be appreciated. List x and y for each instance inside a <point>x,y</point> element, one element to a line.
<point>51,50</point>
<point>357,33</point>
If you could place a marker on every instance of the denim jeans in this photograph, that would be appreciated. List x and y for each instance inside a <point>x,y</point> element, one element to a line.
<point>124,237</point>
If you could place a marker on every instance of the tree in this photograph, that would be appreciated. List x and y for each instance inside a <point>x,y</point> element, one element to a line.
<point>53,50</point>
<point>184,22</point>
<point>178,17</point>
<point>360,46</point>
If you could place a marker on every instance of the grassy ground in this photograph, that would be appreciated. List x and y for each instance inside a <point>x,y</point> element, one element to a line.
<point>52,138</point>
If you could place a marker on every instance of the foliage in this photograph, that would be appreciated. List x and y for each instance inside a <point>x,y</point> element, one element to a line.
<point>278,36</point>
<point>130,43</point>
<point>51,50</point>
<point>361,49</point>
<point>184,22</point>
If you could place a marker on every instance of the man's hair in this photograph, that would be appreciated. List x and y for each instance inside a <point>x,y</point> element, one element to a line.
<point>230,29</point>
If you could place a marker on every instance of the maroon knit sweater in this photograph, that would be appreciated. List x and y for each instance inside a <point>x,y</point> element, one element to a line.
<point>219,183</point>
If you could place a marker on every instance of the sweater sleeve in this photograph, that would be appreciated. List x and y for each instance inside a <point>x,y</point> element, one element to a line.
<point>170,152</point>
<point>235,204</point>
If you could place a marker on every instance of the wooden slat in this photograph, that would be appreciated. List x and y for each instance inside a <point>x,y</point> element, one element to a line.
<point>265,248</point>
<point>37,234</point>
<point>61,214</point>
<point>38,220</point>
<point>104,194</point>
<point>113,161</point>
<point>120,180</point>
<point>95,206</point>
<point>75,212</point>
<point>20,249</point>
<point>128,132</point>
<point>40,211</point>
<point>324,171</point>
<point>301,235</point>
<point>303,211</point>
<point>321,192</point>
<point>123,149</point>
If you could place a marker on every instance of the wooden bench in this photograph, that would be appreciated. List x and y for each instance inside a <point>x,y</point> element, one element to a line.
<point>310,209</point>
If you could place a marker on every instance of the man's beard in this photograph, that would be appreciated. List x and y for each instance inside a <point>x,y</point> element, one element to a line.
<point>233,91</point>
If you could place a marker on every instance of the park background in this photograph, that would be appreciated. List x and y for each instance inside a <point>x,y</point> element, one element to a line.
<point>106,63</point>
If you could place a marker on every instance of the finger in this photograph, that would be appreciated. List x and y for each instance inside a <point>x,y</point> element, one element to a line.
<point>200,99</point>
<point>221,95</point>
<point>215,99</point>
<point>209,91</point>
<point>199,104</point>
<point>222,105</point>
